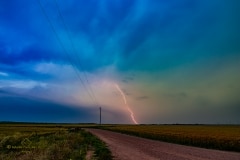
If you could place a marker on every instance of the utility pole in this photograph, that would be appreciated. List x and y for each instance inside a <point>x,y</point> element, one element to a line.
<point>100,120</point>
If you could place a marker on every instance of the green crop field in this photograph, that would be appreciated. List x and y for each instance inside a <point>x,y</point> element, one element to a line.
<point>222,137</point>
<point>49,141</point>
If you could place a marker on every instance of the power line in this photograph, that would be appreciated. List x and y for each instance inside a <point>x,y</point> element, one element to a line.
<point>64,49</point>
<point>75,50</point>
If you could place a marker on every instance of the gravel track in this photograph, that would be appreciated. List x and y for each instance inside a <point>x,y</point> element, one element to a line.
<point>125,147</point>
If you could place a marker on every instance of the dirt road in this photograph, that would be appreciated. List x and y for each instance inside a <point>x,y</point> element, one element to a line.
<point>125,147</point>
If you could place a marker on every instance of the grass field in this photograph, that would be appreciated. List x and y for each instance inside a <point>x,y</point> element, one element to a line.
<point>49,141</point>
<point>67,141</point>
<point>222,137</point>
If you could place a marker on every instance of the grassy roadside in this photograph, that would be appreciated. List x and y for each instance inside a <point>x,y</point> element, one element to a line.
<point>100,149</point>
<point>40,142</point>
<point>221,137</point>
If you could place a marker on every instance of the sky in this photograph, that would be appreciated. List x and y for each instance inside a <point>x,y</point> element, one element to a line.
<point>141,61</point>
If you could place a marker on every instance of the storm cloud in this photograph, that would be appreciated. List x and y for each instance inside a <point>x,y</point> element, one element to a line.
<point>171,58</point>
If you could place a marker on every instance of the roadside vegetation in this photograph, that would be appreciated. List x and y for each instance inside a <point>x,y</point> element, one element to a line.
<point>49,141</point>
<point>221,137</point>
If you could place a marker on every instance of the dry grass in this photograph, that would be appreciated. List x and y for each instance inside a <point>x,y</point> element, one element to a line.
<point>223,137</point>
<point>48,141</point>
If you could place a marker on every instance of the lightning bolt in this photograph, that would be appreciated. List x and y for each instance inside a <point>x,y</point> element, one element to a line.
<point>125,101</point>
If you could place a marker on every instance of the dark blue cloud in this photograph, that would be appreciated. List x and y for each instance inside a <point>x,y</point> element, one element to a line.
<point>128,35</point>
<point>95,18</point>
<point>16,107</point>
<point>28,55</point>
<point>174,29</point>
<point>19,108</point>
